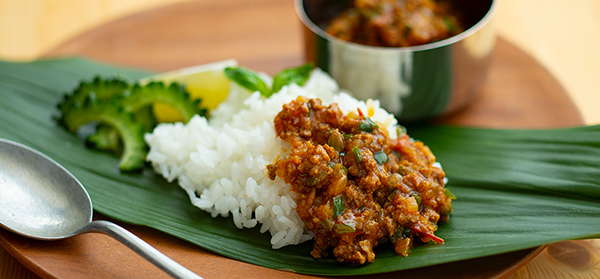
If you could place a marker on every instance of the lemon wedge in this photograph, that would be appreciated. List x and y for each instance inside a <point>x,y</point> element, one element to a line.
<point>206,81</point>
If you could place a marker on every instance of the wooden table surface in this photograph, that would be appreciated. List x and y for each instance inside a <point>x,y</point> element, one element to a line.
<point>564,39</point>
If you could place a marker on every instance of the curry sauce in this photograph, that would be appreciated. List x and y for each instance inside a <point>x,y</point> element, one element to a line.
<point>396,23</point>
<point>354,185</point>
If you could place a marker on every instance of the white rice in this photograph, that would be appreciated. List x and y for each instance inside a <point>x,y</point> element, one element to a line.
<point>221,163</point>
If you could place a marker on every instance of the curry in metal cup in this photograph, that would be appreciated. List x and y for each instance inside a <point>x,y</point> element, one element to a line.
<point>414,81</point>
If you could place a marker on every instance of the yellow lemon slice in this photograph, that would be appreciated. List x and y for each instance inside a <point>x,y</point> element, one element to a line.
<point>206,81</point>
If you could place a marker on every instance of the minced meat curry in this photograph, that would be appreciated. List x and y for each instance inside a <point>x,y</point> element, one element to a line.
<point>396,23</point>
<point>354,186</point>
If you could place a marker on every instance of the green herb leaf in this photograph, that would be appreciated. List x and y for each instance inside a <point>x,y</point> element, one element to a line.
<point>380,157</point>
<point>371,122</point>
<point>356,153</point>
<point>449,194</point>
<point>248,79</point>
<point>327,224</point>
<point>368,125</point>
<point>343,228</point>
<point>298,75</point>
<point>338,206</point>
<point>365,127</point>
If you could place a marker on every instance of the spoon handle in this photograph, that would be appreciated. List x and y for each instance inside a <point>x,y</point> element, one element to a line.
<point>141,247</point>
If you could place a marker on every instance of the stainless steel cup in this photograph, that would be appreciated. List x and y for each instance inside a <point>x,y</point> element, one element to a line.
<point>415,83</point>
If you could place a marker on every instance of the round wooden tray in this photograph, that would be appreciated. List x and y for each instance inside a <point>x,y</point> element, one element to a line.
<point>266,35</point>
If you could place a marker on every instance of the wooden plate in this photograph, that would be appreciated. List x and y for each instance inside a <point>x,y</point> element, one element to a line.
<point>266,35</point>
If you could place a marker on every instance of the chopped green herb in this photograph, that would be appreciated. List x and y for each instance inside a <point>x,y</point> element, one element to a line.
<point>367,126</point>
<point>326,223</point>
<point>338,206</point>
<point>343,228</point>
<point>371,122</point>
<point>357,154</point>
<point>380,157</point>
<point>449,194</point>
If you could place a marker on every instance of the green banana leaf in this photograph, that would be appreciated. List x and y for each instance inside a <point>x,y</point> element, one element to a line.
<point>516,189</point>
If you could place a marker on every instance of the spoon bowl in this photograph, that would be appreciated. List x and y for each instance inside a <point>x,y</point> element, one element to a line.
<point>41,199</point>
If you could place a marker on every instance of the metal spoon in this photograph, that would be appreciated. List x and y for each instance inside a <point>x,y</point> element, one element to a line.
<point>40,199</point>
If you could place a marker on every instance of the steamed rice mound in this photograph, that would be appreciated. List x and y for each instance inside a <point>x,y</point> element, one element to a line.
<point>221,162</point>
